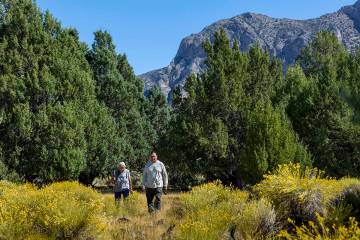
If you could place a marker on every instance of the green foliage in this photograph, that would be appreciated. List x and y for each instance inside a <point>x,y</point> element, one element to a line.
<point>6,174</point>
<point>325,56</point>
<point>351,88</point>
<point>321,107</point>
<point>110,84</point>
<point>71,112</point>
<point>59,137</point>
<point>104,146</point>
<point>158,111</point>
<point>269,141</point>
<point>122,92</point>
<point>56,122</point>
<point>228,120</point>
<point>45,81</point>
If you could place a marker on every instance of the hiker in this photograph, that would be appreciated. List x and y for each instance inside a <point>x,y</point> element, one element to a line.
<point>122,179</point>
<point>154,182</point>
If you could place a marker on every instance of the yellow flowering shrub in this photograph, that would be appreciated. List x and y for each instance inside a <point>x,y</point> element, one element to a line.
<point>208,211</point>
<point>320,231</point>
<point>319,207</point>
<point>59,211</point>
<point>209,195</point>
<point>301,193</point>
<point>256,220</point>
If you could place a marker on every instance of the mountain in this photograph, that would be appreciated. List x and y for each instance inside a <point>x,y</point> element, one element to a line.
<point>283,38</point>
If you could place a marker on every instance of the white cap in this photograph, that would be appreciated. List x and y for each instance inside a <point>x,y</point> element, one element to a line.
<point>122,164</point>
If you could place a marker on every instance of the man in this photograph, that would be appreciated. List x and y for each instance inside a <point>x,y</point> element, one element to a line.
<point>122,181</point>
<point>154,179</point>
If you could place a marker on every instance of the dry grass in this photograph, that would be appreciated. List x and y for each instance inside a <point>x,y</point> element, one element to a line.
<point>132,221</point>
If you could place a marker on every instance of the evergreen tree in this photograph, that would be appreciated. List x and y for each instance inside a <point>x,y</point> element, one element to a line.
<point>46,94</point>
<point>216,126</point>
<point>351,89</point>
<point>122,92</point>
<point>269,142</point>
<point>110,84</point>
<point>319,108</point>
<point>158,111</point>
<point>105,147</point>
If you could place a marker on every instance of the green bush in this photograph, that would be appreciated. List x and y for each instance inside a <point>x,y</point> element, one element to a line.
<point>6,174</point>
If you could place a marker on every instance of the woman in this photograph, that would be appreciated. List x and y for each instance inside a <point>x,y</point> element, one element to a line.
<point>122,181</point>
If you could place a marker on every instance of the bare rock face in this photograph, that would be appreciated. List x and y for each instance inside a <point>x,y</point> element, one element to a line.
<point>283,38</point>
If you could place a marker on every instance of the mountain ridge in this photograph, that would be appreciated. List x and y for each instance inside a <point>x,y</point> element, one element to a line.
<point>282,37</point>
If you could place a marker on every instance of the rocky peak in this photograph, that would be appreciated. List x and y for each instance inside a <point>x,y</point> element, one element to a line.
<point>283,38</point>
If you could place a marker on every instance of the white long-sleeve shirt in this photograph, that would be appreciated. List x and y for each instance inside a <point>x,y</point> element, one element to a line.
<point>154,175</point>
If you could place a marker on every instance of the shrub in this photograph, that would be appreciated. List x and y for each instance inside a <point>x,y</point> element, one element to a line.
<point>256,220</point>
<point>320,230</point>
<point>352,197</point>
<point>301,193</point>
<point>212,211</point>
<point>6,174</point>
<point>58,211</point>
<point>208,211</point>
<point>347,203</point>
<point>210,195</point>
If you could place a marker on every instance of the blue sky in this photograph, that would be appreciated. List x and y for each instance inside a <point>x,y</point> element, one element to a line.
<point>150,31</point>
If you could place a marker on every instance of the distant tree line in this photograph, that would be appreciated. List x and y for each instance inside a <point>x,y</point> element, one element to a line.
<point>69,111</point>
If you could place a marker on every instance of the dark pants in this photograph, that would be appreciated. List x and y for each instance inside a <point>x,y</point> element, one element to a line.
<point>152,193</point>
<point>124,193</point>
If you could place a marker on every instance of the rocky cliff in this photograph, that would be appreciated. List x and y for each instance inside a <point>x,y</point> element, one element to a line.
<point>283,38</point>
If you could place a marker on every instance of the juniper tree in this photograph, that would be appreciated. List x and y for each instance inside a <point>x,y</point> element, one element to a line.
<point>320,108</point>
<point>122,92</point>
<point>216,125</point>
<point>47,94</point>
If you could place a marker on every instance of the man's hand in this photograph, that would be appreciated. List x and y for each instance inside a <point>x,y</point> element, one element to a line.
<point>143,188</point>
<point>165,190</point>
